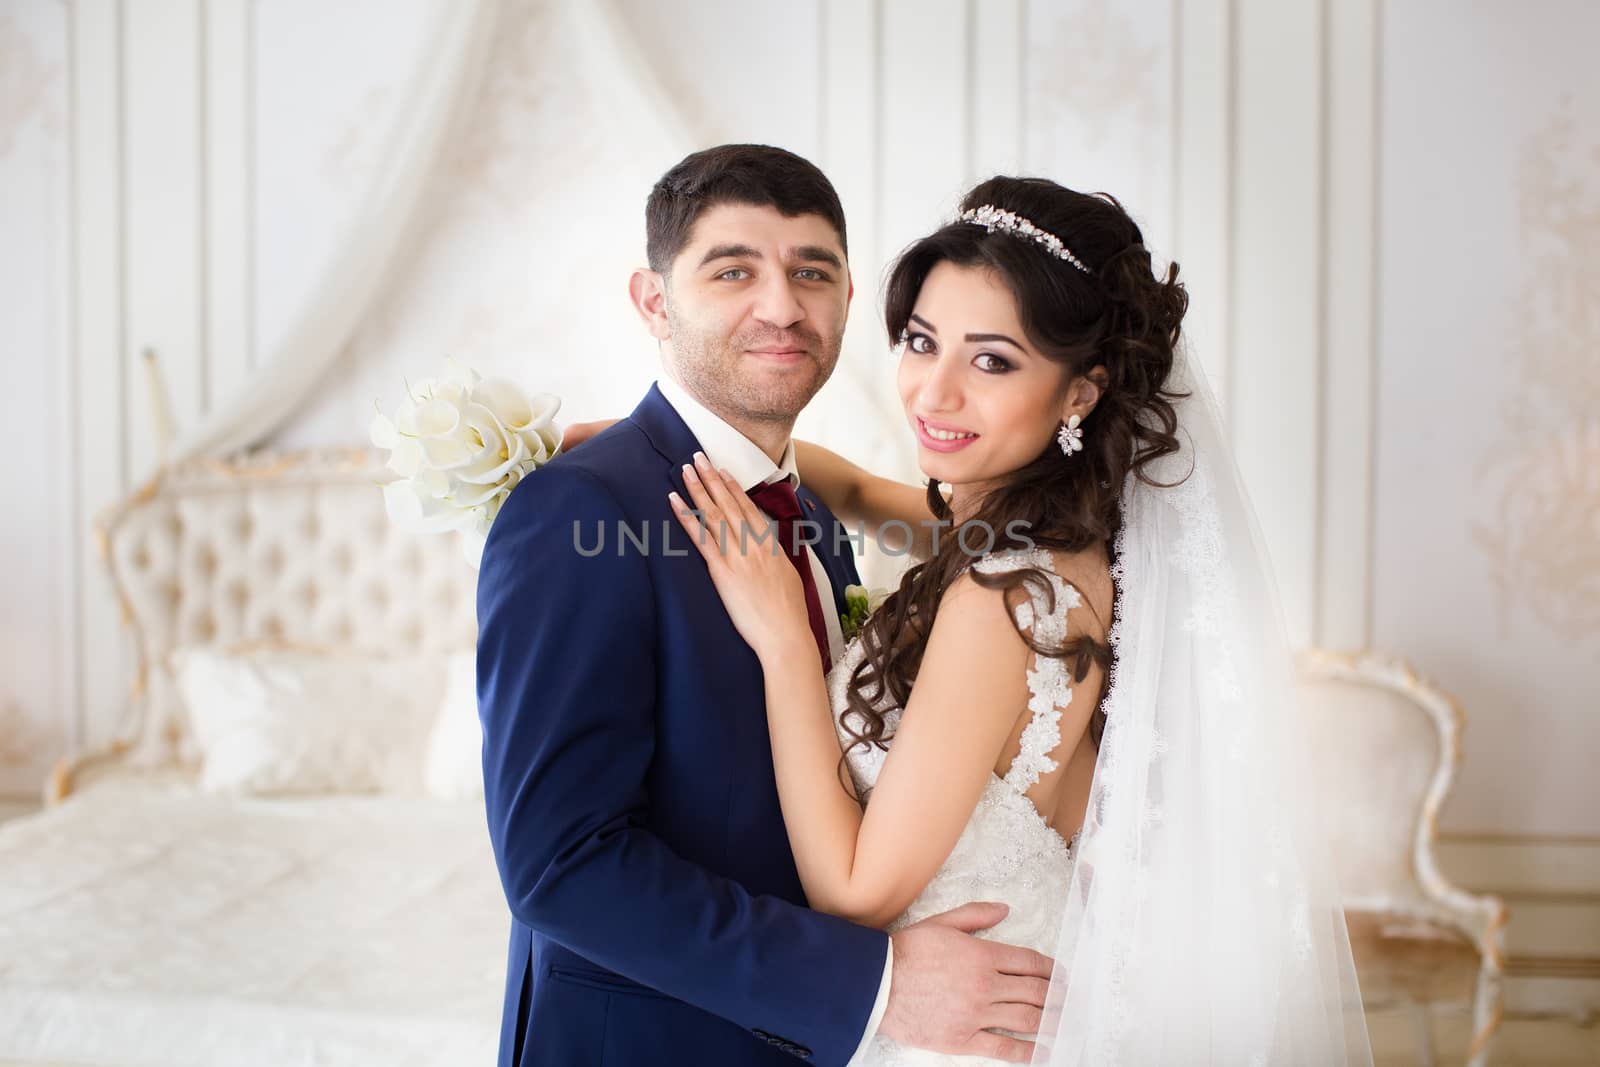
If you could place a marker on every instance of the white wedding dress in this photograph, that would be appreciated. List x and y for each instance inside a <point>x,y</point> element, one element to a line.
<point>1007,853</point>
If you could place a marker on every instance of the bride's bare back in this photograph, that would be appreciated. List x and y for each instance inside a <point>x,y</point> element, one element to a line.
<point>1061,794</point>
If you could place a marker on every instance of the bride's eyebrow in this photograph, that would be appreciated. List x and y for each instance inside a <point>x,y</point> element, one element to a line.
<point>980,338</point>
<point>976,338</point>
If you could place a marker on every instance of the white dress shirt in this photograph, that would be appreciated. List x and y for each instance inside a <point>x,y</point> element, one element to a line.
<point>727,448</point>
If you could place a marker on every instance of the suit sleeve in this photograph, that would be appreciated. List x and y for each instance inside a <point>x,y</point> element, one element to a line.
<point>567,695</point>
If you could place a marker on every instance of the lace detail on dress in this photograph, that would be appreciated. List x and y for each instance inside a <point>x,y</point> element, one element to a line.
<point>1049,681</point>
<point>1012,824</point>
<point>1006,853</point>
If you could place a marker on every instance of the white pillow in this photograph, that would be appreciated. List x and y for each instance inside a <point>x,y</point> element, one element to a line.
<point>453,768</point>
<point>290,721</point>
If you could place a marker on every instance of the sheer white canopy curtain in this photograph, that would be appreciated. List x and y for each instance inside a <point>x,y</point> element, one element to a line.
<point>436,100</point>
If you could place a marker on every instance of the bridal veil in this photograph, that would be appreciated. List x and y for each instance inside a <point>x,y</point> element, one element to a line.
<point>1202,923</point>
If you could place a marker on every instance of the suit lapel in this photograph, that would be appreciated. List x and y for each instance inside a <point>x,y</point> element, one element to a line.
<point>670,436</point>
<point>667,433</point>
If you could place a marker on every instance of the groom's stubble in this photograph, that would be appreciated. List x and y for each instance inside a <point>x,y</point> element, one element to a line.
<point>718,371</point>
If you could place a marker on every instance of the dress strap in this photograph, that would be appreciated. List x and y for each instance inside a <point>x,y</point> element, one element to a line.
<point>1049,682</point>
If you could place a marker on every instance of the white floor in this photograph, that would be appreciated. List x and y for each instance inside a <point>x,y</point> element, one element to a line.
<point>1520,1042</point>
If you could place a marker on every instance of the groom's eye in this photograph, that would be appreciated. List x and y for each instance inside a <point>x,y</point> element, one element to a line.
<point>730,273</point>
<point>810,274</point>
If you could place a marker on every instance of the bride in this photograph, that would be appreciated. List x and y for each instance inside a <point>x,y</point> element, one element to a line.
<point>1076,703</point>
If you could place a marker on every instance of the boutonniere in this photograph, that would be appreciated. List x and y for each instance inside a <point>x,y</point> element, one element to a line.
<point>858,604</point>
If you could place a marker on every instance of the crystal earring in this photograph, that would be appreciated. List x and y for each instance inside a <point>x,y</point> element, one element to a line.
<point>1070,437</point>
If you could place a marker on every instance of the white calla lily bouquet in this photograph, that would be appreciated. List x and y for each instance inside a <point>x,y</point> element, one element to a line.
<point>460,443</point>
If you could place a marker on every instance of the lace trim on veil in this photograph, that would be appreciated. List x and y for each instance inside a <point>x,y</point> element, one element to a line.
<point>1198,553</point>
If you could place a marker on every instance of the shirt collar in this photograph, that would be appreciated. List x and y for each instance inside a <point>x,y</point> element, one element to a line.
<point>725,446</point>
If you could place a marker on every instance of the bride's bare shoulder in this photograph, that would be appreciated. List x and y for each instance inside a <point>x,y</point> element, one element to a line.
<point>1088,570</point>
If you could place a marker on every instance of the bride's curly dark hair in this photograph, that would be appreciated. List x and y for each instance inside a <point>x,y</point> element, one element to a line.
<point>1118,315</point>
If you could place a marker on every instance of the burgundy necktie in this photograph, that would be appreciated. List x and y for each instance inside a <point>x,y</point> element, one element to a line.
<point>778,499</point>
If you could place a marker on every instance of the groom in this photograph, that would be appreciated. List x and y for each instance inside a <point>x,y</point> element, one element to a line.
<point>657,917</point>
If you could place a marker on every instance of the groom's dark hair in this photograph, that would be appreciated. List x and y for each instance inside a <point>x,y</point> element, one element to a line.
<point>733,174</point>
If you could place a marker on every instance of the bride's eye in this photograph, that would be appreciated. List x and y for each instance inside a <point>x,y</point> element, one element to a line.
<point>919,343</point>
<point>993,364</point>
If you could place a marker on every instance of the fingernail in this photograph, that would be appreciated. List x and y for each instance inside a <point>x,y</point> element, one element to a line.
<point>701,460</point>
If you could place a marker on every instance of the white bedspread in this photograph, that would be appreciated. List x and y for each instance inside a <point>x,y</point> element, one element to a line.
<point>144,923</point>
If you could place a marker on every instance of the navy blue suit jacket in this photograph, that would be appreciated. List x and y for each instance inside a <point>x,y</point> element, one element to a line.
<point>657,917</point>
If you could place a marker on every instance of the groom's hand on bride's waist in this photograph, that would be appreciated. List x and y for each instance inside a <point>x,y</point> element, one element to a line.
<point>948,988</point>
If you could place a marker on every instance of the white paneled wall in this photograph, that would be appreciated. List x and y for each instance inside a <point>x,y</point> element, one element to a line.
<point>1202,175</point>
<point>1337,178</point>
<point>227,103</point>
<point>1276,352</point>
<point>37,623</point>
<point>1486,558</point>
<point>93,669</point>
<point>1349,273</point>
<point>162,179</point>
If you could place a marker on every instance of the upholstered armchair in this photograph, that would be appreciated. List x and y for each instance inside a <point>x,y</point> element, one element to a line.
<point>1386,746</point>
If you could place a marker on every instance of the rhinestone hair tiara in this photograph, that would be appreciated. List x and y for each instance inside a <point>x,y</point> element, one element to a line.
<point>993,218</point>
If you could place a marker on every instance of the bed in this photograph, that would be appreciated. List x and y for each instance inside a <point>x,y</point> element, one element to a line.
<point>284,860</point>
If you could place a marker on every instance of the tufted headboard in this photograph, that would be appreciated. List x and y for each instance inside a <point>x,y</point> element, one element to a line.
<point>278,549</point>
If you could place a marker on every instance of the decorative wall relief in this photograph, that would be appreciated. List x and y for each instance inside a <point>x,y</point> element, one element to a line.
<point>502,163</point>
<point>27,86</point>
<point>1098,66</point>
<point>1097,104</point>
<point>1539,516</point>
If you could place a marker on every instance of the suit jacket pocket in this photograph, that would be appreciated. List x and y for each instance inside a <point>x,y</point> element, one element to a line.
<point>605,982</point>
